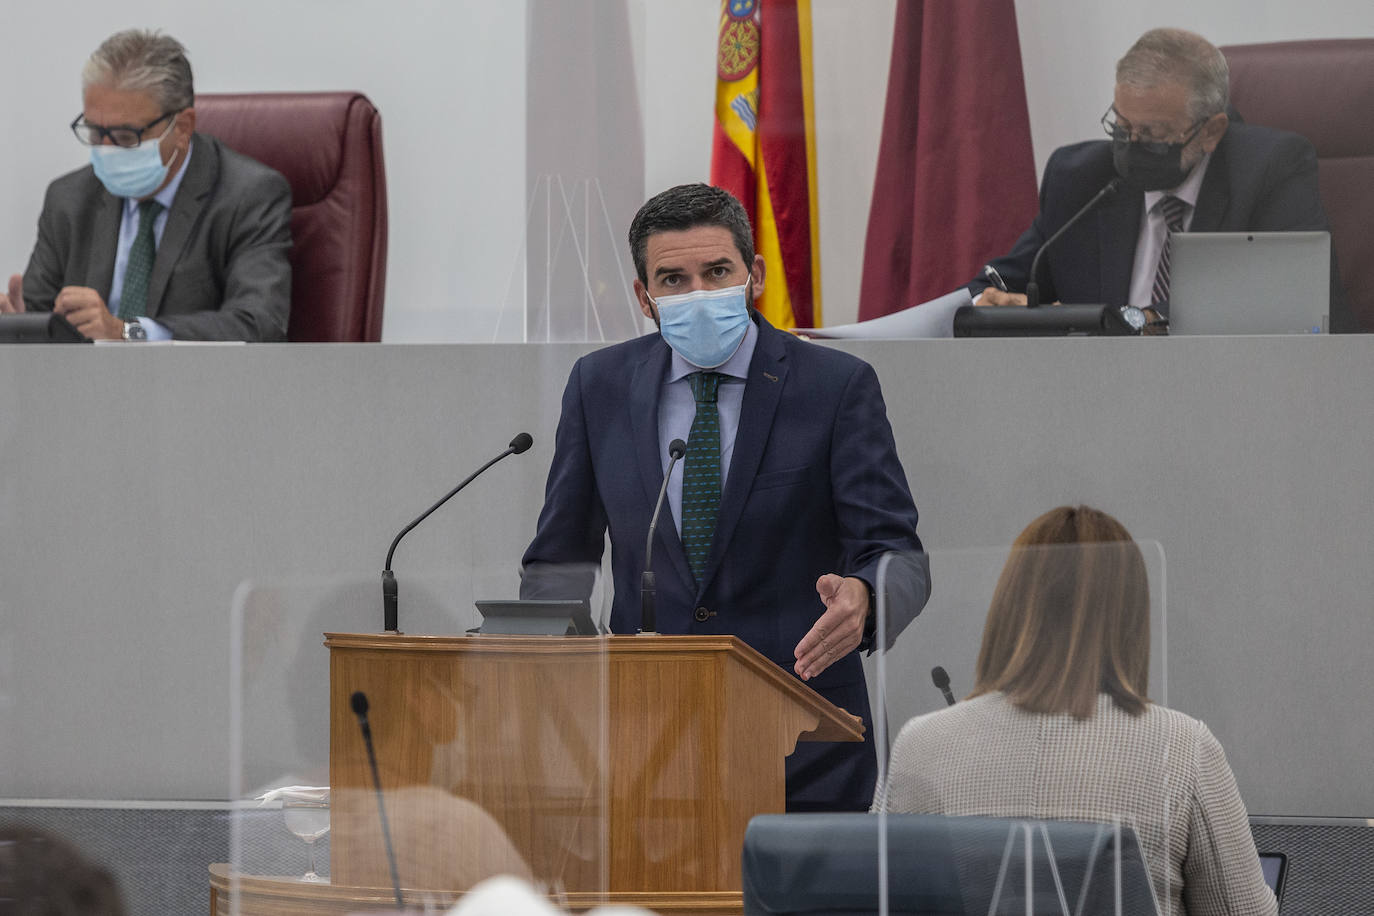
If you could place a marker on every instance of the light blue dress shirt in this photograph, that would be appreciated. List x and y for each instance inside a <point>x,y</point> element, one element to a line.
<point>677,407</point>
<point>128,231</point>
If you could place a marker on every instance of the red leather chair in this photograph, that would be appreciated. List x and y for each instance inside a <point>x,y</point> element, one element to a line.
<point>329,147</point>
<point>1324,90</point>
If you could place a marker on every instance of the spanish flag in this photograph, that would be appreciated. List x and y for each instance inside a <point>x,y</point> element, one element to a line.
<point>764,148</point>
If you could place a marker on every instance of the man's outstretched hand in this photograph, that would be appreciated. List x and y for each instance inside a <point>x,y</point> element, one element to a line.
<point>840,629</point>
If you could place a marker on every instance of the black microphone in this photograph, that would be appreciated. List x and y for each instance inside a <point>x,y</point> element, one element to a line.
<point>941,679</point>
<point>1032,287</point>
<point>647,590</point>
<point>359,703</point>
<point>519,444</point>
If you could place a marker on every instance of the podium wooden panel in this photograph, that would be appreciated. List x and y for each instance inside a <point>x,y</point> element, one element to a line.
<point>627,766</point>
<point>283,896</point>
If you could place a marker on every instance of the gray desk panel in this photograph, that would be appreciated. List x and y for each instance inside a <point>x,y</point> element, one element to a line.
<point>139,486</point>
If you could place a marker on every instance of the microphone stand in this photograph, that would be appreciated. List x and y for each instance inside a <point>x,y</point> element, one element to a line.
<point>1032,287</point>
<point>648,590</point>
<point>518,445</point>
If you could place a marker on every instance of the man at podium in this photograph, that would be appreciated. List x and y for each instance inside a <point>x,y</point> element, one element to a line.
<point>789,493</point>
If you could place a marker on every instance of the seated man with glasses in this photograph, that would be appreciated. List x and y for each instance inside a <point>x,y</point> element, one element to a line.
<point>1185,166</point>
<point>167,233</point>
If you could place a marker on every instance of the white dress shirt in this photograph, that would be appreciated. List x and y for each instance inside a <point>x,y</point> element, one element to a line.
<point>1153,232</point>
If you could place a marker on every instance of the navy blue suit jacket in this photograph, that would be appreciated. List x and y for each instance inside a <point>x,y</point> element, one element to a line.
<point>1259,180</point>
<point>815,486</point>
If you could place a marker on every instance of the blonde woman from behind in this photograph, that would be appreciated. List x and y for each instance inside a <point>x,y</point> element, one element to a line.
<point>1059,725</point>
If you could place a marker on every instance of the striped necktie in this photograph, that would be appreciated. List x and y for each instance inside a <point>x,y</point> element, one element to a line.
<point>133,300</point>
<point>701,474</point>
<point>1173,210</point>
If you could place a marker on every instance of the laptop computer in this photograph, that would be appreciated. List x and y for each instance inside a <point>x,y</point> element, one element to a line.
<point>1249,282</point>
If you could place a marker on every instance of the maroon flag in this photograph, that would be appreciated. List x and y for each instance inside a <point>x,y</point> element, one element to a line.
<point>955,184</point>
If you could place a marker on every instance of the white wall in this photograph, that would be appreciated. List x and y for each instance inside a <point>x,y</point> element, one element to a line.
<point>447,75</point>
<point>449,78</point>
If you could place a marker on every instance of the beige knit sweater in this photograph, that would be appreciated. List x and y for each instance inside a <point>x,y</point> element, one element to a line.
<point>1162,772</point>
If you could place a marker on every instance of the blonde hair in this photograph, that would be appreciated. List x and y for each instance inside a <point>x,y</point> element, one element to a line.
<point>1069,622</point>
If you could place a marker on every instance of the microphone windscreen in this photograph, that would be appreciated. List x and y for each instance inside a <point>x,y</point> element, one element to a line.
<point>940,677</point>
<point>521,443</point>
<point>359,702</point>
<point>677,448</point>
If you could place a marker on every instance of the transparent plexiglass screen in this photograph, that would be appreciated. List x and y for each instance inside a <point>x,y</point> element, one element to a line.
<point>1041,813</point>
<point>490,749</point>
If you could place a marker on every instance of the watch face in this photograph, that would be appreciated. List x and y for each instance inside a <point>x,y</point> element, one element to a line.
<point>134,331</point>
<point>1134,316</point>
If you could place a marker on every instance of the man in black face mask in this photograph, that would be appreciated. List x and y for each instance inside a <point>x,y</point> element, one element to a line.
<point>1184,165</point>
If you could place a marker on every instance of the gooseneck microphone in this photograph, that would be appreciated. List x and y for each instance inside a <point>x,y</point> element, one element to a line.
<point>648,611</point>
<point>359,703</point>
<point>1032,287</point>
<point>518,445</point>
<point>941,679</point>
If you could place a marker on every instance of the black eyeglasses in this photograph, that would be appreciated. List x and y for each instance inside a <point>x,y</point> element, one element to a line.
<point>1121,133</point>
<point>127,137</point>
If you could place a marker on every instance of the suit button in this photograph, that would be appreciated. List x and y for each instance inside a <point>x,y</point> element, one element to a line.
<point>701,614</point>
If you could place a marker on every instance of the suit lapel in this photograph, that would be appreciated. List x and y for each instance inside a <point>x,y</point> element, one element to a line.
<point>202,174</point>
<point>645,388</point>
<point>1117,222</point>
<point>1214,196</point>
<point>104,244</point>
<point>762,392</point>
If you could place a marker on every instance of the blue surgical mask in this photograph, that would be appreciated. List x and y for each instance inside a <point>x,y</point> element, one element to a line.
<point>135,171</point>
<point>706,326</point>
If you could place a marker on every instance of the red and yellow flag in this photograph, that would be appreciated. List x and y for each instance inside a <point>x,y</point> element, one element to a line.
<point>764,148</point>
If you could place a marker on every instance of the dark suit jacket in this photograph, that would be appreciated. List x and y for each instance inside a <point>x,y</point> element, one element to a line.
<point>1259,179</point>
<point>814,486</point>
<point>221,271</point>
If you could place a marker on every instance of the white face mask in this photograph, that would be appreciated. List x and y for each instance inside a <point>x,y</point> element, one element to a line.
<point>135,171</point>
<point>706,326</point>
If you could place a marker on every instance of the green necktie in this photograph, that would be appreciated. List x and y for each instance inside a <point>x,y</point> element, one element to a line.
<point>133,301</point>
<point>701,476</point>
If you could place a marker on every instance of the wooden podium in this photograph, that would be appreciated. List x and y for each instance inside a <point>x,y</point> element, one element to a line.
<point>620,769</point>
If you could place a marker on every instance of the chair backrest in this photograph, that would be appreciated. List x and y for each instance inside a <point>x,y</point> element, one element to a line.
<point>1324,90</point>
<point>827,865</point>
<point>329,147</point>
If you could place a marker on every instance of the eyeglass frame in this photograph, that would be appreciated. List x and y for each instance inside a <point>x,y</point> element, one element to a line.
<point>107,133</point>
<point>1118,134</point>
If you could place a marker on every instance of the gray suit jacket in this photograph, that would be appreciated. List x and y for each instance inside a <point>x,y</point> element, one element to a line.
<point>221,271</point>
<point>1163,772</point>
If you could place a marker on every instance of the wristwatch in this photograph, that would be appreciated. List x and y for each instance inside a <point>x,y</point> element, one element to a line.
<point>134,331</point>
<point>1134,317</point>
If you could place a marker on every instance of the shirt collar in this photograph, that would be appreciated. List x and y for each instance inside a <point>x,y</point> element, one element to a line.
<point>736,366</point>
<point>1186,192</point>
<point>166,195</point>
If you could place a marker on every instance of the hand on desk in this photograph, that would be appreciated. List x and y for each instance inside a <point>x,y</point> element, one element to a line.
<point>86,310</point>
<point>994,296</point>
<point>14,302</point>
<point>840,629</point>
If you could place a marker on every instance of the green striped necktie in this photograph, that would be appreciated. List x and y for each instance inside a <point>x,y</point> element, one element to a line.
<point>701,476</point>
<point>133,301</point>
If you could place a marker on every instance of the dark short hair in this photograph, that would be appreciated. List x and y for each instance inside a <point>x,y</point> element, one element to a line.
<point>1070,618</point>
<point>688,206</point>
<point>42,875</point>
